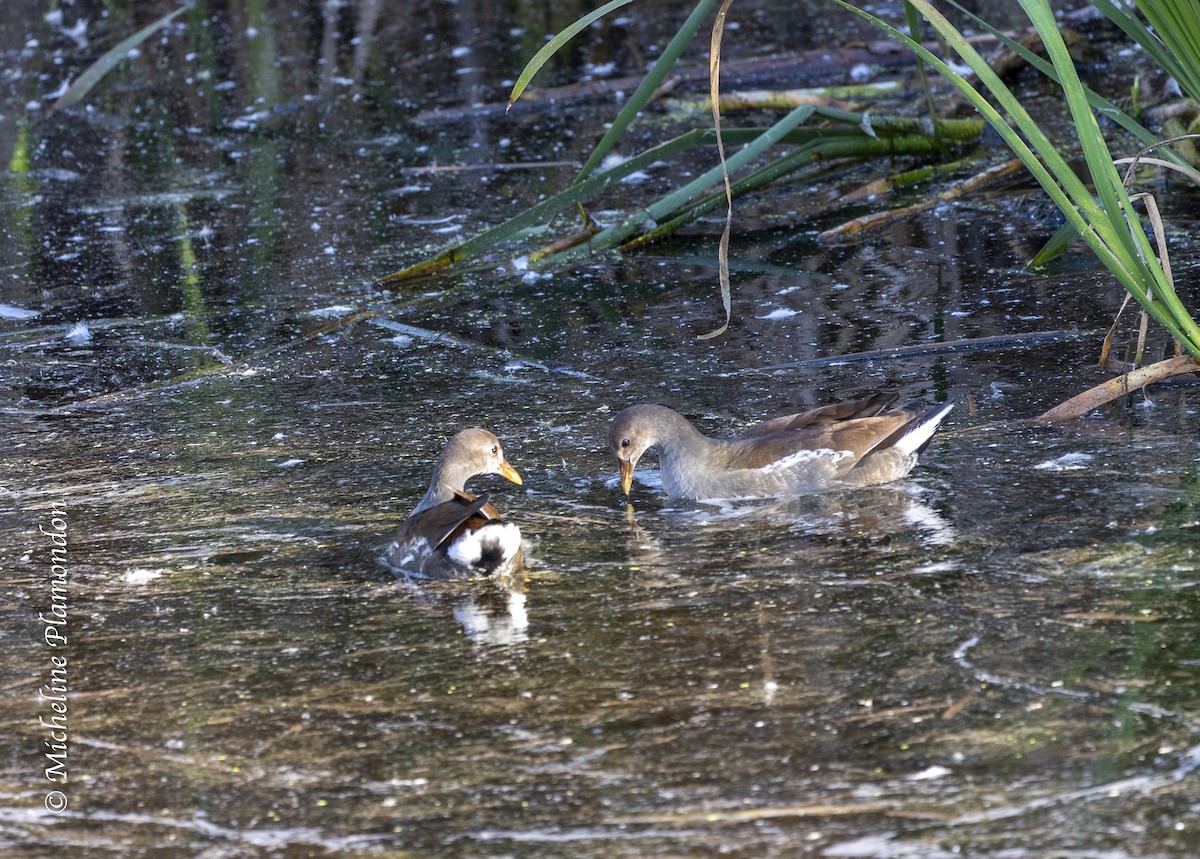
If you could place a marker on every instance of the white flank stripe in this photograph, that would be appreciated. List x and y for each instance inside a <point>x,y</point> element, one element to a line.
<point>800,456</point>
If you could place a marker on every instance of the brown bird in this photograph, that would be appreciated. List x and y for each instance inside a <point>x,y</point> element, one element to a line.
<point>452,533</point>
<point>840,446</point>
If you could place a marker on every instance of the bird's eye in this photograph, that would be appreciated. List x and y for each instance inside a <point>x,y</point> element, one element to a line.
<point>495,450</point>
<point>625,442</point>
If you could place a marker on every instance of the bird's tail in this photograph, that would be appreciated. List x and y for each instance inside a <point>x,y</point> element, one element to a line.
<point>914,436</point>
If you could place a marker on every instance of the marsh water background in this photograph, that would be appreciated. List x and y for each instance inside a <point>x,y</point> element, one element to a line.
<point>994,658</point>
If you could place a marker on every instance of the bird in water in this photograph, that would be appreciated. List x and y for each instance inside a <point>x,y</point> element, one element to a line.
<point>840,446</point>
<point>452,533</point>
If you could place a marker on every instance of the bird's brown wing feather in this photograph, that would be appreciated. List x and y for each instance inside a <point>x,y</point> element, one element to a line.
<point>824,416</point>
<point>443,522</point>
<point>859,437</point>
<point>487,511</point>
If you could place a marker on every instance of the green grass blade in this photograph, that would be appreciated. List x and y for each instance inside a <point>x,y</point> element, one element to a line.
<point>649,85</point>
<point>111,58</point>
<point>831,149</point>
<point>838,141</point>
<point>1177,24</point>
<point>1097,101</point>
<point>547,209</point>
<point>704,182</point>
<point>1134,28</point>
<point>552,47</point>
<point>1107,240</point>
<point>693,200</point>
<point>1104,175</point>
<point>1139,256</point>
<point>1064,196</point>
<point>914,28</point>
<point>1058,244</point>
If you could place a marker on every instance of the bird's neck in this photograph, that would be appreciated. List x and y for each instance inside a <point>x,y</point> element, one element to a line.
<point>442,488</point>
<point>684,460</point>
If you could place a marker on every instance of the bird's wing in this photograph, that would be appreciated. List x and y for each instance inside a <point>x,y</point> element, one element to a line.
<point>848,441</point>
<point>442,522</point>
<point>830,415</point>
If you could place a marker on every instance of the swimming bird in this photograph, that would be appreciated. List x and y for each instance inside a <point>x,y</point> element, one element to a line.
<point>839,446</point>
<point>452,533</point>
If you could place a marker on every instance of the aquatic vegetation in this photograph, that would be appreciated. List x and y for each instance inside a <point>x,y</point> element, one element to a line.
<point>1099,207</point>
<point>810,134</point>
<point>1104,214</point>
